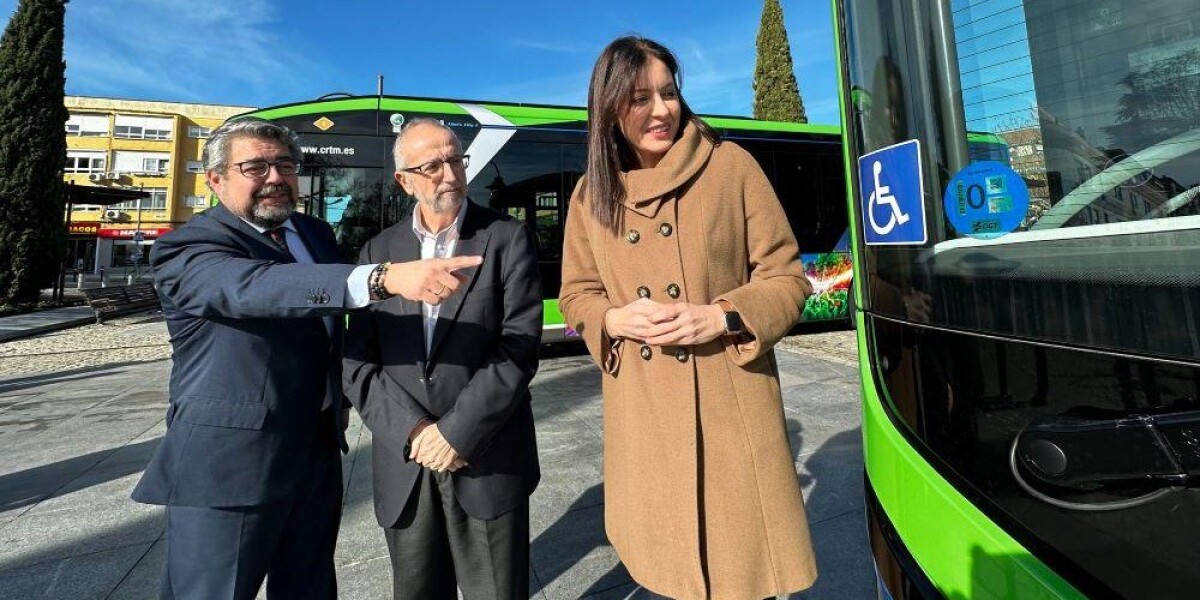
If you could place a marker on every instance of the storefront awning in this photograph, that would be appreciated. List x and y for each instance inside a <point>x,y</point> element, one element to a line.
<point>94,194</point>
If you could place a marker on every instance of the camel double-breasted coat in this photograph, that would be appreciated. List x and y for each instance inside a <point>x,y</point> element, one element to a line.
<point>701,495</point>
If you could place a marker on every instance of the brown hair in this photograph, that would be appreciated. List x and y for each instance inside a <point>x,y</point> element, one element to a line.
<point>609,96</point>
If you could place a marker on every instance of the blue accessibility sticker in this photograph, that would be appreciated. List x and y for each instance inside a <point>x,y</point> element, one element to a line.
<point>986,200</point>
<point>892,203</point>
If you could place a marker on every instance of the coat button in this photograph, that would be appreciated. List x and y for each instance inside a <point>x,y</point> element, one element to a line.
<point>673,291</point>
<point>681,355</point>
<point>646,352</point>
<point>665,229</point>
<point>633,236</point>
<point>643,291</point>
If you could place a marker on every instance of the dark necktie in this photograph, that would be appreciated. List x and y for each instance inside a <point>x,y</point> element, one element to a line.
<point>278,236</point>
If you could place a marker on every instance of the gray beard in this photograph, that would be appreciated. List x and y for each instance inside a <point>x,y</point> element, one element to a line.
<point>270,217</point>
<point>440,206</point>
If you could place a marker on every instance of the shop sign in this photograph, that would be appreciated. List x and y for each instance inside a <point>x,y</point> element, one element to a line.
<point>129,233</point>
<point>83,228</point>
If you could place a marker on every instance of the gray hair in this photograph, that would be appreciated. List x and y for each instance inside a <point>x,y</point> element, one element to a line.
<point>398,156</point>
<point>216,151</point>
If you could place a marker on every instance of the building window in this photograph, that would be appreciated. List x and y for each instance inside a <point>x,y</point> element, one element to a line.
<point>156,166</point>
<point>128,131</point>
<point>87,125</point>
<point>84,162</point>
<point>196,131</point>
<point>142,128</point>
<point>196,201</point>
<point>195,166</point>
<point>137,161</point>
<point>156,201</point>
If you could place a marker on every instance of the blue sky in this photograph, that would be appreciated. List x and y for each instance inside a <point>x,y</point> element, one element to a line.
<point>268,52</point>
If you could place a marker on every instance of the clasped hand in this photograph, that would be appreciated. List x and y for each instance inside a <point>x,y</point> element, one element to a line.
<point>658,324</point>
<point>430,450</point>
<point>430,281</point>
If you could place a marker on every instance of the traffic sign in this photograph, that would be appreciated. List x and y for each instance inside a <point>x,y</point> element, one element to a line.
<point>890,191</point>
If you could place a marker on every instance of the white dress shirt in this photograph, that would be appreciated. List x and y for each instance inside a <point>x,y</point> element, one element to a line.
<point>436,245</point>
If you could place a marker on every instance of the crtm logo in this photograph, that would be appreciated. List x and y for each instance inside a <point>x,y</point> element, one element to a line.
<point>328,150</point>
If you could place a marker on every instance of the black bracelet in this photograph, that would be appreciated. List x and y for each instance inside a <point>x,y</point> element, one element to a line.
<point>375,282</point>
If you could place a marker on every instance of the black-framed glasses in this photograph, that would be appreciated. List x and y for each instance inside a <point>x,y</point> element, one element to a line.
<point>259,168</point>
<point>434,167</point>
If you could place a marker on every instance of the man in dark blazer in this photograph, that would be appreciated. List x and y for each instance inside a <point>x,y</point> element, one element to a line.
<point>252,293</point>
<point>445,390</point>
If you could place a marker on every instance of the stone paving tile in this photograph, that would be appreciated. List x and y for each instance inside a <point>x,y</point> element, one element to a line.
<point>143,578</point>
<point>82,576</point>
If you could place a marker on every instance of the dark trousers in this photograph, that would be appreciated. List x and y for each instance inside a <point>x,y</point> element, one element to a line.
<point>436,547</point>
<point>225,553</point>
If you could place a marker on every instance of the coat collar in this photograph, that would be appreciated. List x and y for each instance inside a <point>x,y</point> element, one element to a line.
<point>645,189</point>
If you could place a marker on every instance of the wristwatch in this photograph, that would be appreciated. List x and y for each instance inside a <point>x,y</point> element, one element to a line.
<point>733,323</point>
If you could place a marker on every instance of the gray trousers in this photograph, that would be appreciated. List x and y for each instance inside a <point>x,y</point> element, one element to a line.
<point>436,547</point>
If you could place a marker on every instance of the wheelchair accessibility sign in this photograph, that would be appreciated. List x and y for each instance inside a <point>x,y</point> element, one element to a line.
<point>893,206</point>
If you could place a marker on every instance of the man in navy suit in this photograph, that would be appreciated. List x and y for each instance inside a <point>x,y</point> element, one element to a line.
<point>252,292</point>
<point>444,389</point>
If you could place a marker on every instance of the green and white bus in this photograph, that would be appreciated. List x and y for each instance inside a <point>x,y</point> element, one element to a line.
<point>1028,319</point>
<point>525,160</point>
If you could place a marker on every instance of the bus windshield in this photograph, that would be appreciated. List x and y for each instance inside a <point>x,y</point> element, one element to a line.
<point>1096,113</point>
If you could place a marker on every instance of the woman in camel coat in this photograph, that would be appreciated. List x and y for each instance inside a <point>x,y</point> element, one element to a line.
<point>670,239</point>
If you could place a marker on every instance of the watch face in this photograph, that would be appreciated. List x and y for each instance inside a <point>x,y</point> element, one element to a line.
<point>733,322</point>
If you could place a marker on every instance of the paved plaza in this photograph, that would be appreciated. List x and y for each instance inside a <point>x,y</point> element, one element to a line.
<point>81,411</point>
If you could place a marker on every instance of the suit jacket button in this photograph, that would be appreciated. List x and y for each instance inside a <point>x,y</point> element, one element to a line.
<point>681,355</point>
<point>643,291</point>
<point>665,229</point>
<point>646,352</point>
<point>633,236</point>
<point>673,290</point>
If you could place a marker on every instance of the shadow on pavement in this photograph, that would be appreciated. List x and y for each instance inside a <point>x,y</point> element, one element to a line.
<point>31,486</point>
<point>18,383</point>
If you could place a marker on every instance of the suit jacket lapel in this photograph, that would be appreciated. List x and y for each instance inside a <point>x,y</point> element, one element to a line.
<point>320,253</point>
<point>472,241</point>
<point>403,247</point>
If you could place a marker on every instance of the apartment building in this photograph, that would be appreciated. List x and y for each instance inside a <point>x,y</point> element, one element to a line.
<point>149,146</point>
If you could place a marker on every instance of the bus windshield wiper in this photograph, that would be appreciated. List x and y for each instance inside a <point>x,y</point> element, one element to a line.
<point>1158,452</point>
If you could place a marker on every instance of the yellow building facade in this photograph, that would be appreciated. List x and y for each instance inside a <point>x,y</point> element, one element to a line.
<point>142,145</point>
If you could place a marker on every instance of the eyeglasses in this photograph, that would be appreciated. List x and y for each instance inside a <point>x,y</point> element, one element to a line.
<point>259,168</point>
<point>434,167</point>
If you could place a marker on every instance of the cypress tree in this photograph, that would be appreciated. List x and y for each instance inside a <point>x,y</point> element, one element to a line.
<point>776,95</point>
<point>33,149</point>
